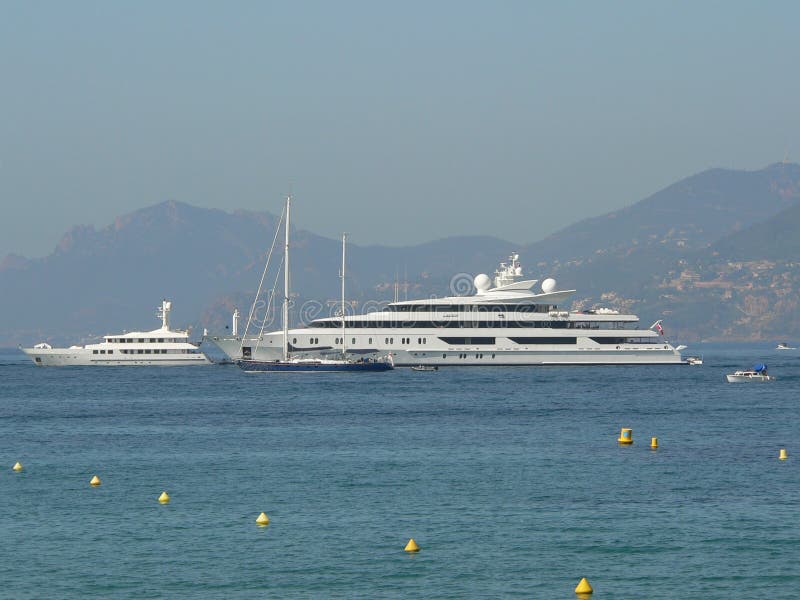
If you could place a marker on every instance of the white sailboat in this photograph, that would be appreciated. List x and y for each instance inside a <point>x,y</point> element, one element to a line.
<point>290,364</point>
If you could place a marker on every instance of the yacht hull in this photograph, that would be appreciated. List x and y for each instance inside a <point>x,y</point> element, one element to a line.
<point>748,378</point>
<point>268,349</point>
<point>255,366</point>
<point>71,357</point>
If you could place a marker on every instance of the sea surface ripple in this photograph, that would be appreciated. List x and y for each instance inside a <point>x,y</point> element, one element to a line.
<point>510,480</point>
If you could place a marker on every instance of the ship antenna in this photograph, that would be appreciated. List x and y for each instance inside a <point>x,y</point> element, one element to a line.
<point>344,251</point>
<point>286,284</point>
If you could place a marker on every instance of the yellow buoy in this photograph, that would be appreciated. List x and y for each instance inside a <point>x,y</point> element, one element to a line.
<point>411,546</point>
<point>17,467</point>
<point>95,481</point>
<point>625,436</point>
<point>583,587</point>
<point>782,455</point>
<point>654,443</point>
<point>262,520</point>
<point>163,498</point>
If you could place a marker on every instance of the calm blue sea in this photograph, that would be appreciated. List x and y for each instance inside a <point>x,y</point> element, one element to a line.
<point>510,480</point>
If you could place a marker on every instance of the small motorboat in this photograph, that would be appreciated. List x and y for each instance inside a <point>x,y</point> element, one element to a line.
<point>424,368</point>
<point>694,360</point>
<point>785,346</point>
<point>757,373</point>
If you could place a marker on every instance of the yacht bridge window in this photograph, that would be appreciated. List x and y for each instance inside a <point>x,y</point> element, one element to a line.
<point>544,340</point>
<point>467,341</point>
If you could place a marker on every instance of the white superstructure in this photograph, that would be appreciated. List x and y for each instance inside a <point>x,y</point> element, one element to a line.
<point>159,347</point>
<point>507,322</point>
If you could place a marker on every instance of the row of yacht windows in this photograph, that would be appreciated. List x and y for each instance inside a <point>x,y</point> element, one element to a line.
<point>477,341</point>
<point>462,324</point>
<point>520,308</point>
<point>486,341</point>
<point>388,340</point>
<point>144,340</point>
<point>148,351</point>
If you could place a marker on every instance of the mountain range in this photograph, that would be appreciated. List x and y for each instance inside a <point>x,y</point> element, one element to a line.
<point>715,255</point>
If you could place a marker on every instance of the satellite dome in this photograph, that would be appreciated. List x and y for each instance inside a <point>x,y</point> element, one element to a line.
<point>482,282</point>
<point>549,285</point>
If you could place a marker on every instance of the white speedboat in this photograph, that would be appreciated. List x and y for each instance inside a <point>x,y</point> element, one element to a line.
<point>159,347</point>
<point>757,373</point>
<point>694,360</point>
<point>785,346</point>
<point>506,322</point>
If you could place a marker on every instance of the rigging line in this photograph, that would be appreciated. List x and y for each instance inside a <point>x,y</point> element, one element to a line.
<point>269,305</point>
<point>261,283</point>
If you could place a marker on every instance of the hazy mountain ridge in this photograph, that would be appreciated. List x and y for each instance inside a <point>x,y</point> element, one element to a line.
<point>692,213</point>
<point>713,254</point>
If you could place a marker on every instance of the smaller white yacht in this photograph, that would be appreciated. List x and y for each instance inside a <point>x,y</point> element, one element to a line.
<point>757,373</point>
<point>785,346</point>
<point>694,360</point>
<point>159,347</point>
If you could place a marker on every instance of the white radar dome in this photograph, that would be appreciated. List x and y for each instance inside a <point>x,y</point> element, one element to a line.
<point>549,285</point>
<point>482,282</point>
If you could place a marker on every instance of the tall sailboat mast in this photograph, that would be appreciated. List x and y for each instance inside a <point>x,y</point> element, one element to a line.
<point>286,285</point>
<point>344,253</point>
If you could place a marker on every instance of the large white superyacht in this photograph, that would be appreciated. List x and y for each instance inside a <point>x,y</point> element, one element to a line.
<point>506,322</point>
<point>160,347</point>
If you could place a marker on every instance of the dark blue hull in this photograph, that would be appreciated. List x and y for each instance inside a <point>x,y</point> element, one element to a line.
<point>251,366</point>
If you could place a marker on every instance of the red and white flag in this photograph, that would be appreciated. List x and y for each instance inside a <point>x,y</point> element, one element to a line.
<point>660,328</point>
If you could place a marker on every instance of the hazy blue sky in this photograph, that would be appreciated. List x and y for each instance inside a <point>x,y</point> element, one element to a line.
<point>399,122</point>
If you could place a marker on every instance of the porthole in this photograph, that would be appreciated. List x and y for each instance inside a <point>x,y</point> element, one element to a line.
<point>444,355</point>
<point>294,340</point>
<point>354,340</point>
<point>391,340</point>
<point>617,347</point>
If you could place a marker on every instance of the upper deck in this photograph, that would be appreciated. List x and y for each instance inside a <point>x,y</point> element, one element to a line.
<point>512,302</point>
